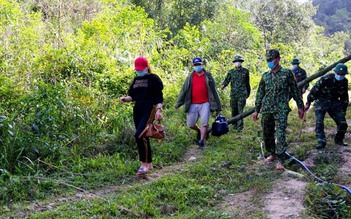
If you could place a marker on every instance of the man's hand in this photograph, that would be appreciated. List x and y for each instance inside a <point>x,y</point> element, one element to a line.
<point>255,116</point>
<point>222,87</point>
<point>307,106</point>
<point>303,90</point>
<point>301,113</point>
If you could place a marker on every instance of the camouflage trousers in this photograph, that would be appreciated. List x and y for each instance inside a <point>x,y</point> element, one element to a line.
<point>238,106</point>
<point>274,125</point>
<point>339,118</point>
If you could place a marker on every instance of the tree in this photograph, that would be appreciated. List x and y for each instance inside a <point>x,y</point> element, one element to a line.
<point>174,15</point>
<point>281,21</point>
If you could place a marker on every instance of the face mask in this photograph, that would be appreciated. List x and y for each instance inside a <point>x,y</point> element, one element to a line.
<point>271,64</point>
<point>141,73</point>
<point>294,67</point>
<point>339,77</point>
<point>238,64</point>
<point>198,68</point>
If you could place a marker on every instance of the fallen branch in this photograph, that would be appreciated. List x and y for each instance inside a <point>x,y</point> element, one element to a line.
<point>127,211</point>
<point>300,84</point>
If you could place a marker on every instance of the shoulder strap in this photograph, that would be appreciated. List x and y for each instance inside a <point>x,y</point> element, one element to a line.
<point>152,115</point>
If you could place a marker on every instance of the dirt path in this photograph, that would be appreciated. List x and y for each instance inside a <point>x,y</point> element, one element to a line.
<point>284,201</point>
<point>192,155</point>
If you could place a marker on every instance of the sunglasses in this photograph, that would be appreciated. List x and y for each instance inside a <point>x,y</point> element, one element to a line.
<point>197,64</point>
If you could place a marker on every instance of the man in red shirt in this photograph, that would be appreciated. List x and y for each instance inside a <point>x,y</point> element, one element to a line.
<point>200,97</point>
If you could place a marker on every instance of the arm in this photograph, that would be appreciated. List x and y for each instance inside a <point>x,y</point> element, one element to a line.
<point>344,97</point>
<point>312,96</point>
<point>125,99</point>
<point>295,93</point>
<point>261,92</point>
<point>226,80</point>
<point>304,76</point>
<point>130,95</point>
<point>158,85</point>
<point>248,87</point>
<point>182,94</point>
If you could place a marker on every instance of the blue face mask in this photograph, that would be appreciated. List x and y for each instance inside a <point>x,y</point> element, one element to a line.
<point>198,68</point>
<point>141,73</point>
<point>271,64</point>
<point>339,77</point>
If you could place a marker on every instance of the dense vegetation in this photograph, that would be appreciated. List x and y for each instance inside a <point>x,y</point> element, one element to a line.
<point>64,64</point>
<point>334,15</point>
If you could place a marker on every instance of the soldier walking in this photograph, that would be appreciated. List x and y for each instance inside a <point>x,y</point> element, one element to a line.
<point>272,101</point>
<point>239,80</point>
<point>330,94</point>
<point>300,74</point>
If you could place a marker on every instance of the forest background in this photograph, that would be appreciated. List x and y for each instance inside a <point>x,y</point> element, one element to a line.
<point>64,64</point>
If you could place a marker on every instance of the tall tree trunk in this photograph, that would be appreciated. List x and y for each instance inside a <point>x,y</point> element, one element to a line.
<point>300,84</point>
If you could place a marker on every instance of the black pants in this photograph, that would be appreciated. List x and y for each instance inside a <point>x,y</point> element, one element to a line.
<point>336,113</point>
<point>141,114</point>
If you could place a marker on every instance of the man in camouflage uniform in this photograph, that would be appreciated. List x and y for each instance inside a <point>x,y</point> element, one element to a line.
<point>272,101</point>
<point>239,80</point>
<point>300,74</point>
<point>330,94</point>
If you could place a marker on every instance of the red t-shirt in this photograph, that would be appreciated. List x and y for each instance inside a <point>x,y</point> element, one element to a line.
<point>199,92</point>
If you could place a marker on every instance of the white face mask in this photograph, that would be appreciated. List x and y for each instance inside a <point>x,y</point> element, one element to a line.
<point>237,64</point>
<point>295,66</point>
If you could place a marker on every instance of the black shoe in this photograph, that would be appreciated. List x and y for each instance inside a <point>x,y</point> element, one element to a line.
<point>341,143</point>
<point>320,145</point>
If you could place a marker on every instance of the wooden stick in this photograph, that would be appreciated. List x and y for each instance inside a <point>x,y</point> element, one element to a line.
<point>303,122</point>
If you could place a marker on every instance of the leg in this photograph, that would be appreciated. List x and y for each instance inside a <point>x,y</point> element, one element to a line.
<point>241,106</point>
<point>339,118</point>
<point>281,121</point>
<point>234,106</point>
<point>267,123</point>
<point>320,134</point>
<point>145,155</point>
<point>204,114</point>
<point>191,119</point>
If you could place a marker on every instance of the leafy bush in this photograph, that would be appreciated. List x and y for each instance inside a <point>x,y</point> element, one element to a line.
<point>327,201</point>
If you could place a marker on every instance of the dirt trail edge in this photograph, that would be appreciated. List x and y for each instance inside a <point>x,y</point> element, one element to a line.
<point>192,155</point>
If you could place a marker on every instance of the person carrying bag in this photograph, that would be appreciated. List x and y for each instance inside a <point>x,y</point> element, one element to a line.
<point>146,93</point>
<point>153,128</point>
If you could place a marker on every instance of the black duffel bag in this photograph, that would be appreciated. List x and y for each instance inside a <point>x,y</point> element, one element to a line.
<point>220,126</point>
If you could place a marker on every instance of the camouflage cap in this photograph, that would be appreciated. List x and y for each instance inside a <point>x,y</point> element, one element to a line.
<point>340,69</point>
<point>295,61</point>
<point>238,59</point>
<point>272,53</point>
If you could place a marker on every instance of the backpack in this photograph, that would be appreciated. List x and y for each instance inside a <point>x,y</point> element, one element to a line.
<point>220,126</point>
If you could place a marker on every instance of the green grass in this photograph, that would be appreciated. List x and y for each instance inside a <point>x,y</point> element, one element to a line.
<point>229,163</point>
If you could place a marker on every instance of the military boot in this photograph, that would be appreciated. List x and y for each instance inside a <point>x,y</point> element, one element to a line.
<point>340,142</point>
<point>320,145</point>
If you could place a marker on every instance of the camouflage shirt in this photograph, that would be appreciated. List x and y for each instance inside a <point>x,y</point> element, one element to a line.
<point>300,75</point>
<point>328,91</point>
<point>239,80</point>
<point>274,92</point>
